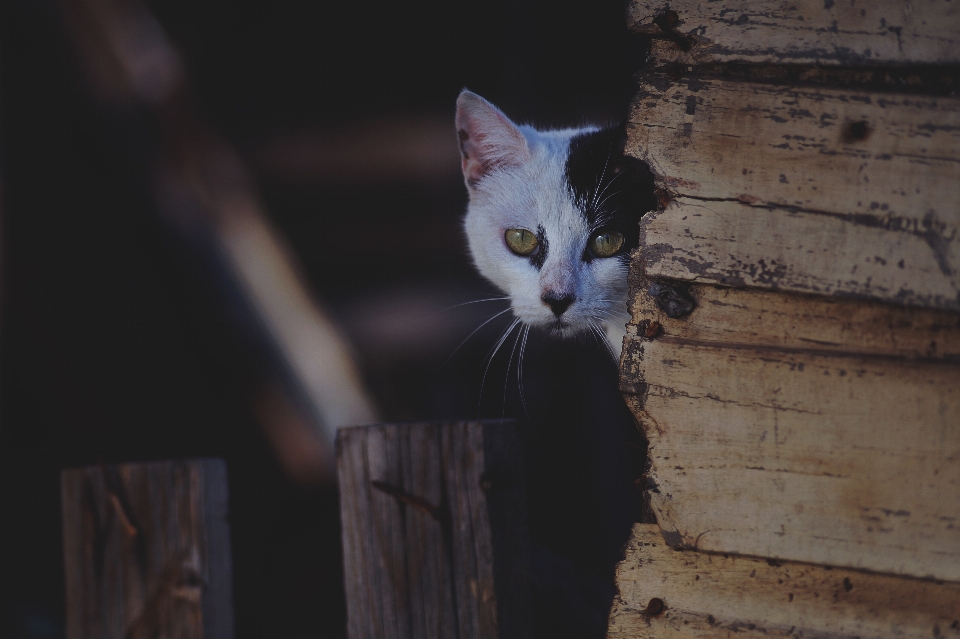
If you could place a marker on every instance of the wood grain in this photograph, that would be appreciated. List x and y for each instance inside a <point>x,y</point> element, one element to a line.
<point>719,596</point>
<point>434,530</point>
<point>828,458</point>
<point>760,318</point>
<point>807,31</point>
<point>772,188</point>
<point>774,248</point>
<point>147,550</point>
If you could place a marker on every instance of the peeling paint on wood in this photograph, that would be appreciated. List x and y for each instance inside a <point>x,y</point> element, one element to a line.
<point>714,596</point>
<point>887,160</point>
<point>806,31</point>
<point>736,244</point>
<point>825,191</point>
<point>827,458</point>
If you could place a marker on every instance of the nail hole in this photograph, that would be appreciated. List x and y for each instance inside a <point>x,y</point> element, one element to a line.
<point>655,607</point>
<point>856,131</point>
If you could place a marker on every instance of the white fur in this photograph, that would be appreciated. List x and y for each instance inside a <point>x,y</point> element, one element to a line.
<point>528,191</point>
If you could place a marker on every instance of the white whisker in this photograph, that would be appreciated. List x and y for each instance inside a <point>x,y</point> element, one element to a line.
<point>487,321</point>
<point>602,174</point>
<point>603,339</point>
<point>489,299</point>
<point>609,184</point>
<point>523,348</point>
<point>506,377</point>
<point>490,357</point>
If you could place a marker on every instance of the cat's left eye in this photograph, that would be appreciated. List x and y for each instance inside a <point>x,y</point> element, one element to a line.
<point>606,244</point>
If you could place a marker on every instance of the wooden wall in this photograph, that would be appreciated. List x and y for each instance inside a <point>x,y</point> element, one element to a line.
<point>806,412</point>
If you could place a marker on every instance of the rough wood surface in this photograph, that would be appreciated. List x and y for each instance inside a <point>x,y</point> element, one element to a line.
<point>802,428</point>
<point>806,189</point>
<point>434,530</point>
<point>757,318</point>
<point>719,596</point>
<point>738,245</point>
<point>806,31</point>
<point>147,551</point>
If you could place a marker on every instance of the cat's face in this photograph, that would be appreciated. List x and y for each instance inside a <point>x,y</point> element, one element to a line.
<point>552,217</point>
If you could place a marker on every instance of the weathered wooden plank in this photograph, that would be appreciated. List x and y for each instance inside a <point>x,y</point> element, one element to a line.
<point>735,244</point>
<point>147,550</point>
<point>434,530</point>
<point>804,189</point>
<point>841,459</point>
<point>751,317</point>
<point>806,31</point>
<point>706,595</point>
<point>893,157</point>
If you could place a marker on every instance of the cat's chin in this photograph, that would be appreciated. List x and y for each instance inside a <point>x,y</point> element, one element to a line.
<point>559,329</point>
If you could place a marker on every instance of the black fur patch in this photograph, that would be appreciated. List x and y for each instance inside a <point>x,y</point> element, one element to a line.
<point>612,190</point>
<point>538,258</point>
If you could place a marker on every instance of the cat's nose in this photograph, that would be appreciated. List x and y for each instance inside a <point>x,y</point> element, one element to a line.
<point>557,303</point>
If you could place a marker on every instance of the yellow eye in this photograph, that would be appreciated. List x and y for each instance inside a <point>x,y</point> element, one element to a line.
<point>606,244</point>
<point>521,241</point>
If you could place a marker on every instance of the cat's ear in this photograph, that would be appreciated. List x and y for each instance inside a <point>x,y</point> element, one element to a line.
<point>488,139</point>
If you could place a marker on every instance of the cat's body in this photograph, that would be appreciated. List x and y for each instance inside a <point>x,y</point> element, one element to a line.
<point>552,218</point>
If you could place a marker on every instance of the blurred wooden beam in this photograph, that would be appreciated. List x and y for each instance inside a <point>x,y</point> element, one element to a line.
<point>204,191</point>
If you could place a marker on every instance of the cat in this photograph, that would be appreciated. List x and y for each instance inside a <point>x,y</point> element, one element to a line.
<point>552,218</point>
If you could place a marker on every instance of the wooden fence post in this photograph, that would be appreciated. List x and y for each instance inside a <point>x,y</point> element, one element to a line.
<point>147,550</point>
<point>435,537</point>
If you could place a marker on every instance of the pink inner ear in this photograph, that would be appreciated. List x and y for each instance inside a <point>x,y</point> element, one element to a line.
<point>488,139</point>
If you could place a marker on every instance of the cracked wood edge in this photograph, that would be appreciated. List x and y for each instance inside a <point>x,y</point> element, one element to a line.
<point>147,550</point>
<point>807,31</point>
<point>713,596</point>
<point>827,458</point>
<point>762,318</point>
<point>733,244</point>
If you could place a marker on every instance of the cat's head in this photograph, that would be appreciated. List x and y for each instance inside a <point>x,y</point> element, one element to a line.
<point>553,216</point>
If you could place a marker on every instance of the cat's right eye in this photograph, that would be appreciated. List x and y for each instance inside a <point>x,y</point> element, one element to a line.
<point>521,241</point>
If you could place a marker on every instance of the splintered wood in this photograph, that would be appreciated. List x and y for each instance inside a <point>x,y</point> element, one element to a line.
<point>664,593</point>
<point>849,32</point>
<point>828,191</point>
<point>434,530</point>
<point>147,551</point>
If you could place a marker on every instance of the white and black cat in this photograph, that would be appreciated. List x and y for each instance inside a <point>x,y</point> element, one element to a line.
<point>552,218</point>
<point>551,221</point>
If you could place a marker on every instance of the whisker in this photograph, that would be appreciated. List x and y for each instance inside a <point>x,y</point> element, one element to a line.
<point>490,357</point>
<point>506,377</point>
<point>602,174</point>
<point>603,339</point>
<point>489,299</point>
<point>610,183</point>
<point>604,200</point>
<point>488,320</point>
<point>613,315</point>
<point>523,348</point>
